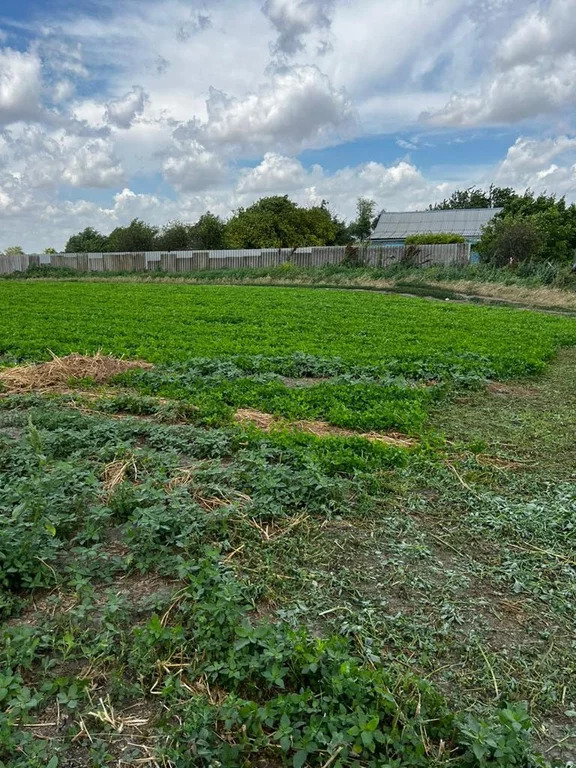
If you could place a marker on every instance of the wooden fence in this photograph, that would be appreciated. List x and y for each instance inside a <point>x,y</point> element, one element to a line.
<point>193,261</point>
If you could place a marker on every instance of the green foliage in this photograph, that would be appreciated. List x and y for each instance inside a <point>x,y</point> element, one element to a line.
<point>174,236</point>
<point>208,232</point>
<point>184,589</point>
<point>137,236</point>
<point>87,241</point>
<point>510,241</point>
<point>434,238</point>
<point>539,227</point>
<point>13,250</point>
<point>361,228</point>
<point>278,222</point>
<point>167,323</point>
<point>474,197</point>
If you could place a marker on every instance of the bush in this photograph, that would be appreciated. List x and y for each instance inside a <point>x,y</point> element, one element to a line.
<point>435,238</point>
<point>511,241</point>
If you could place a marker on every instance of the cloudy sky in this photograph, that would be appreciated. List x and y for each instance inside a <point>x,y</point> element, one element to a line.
<point>161,109</point>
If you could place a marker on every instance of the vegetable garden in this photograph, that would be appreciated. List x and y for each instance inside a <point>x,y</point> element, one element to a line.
<point>318,528</point>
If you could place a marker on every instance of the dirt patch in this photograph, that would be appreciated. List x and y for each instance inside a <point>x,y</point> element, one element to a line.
<point>58,372</point>
<point>268,422</point>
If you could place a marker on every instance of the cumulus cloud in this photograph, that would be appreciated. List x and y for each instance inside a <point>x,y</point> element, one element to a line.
<point>298,106</point>
<point>529,164</point>
<point>36,159</point>
<point>193,168</point>
<point>123,111</point>
<point>93,165</point>
<point>401,186</point>
<point>549,31</point>
<point>294,19</point>
<point>533,72</point>
<point>276,172</point>
<point>20,86</point>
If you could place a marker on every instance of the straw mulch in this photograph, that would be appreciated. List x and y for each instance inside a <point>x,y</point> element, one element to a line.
<point>58,372</point>
<point>268,422</point>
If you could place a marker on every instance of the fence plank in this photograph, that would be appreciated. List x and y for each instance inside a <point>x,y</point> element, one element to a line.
<point>192,261</point>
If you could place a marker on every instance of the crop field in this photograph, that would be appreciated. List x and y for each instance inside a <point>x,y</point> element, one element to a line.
<point>307,528</point>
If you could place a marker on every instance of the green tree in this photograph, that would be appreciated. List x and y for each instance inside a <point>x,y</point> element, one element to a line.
<point>278,222</point>
<point>361,228</point>
<point>510,241</point>
<point>174,236</point>
<point>87,241</point>
<point>14,250</point>
<point>208,233</point>
<point>137,236</point>
<point>474,197</point>
<point>50,250</point>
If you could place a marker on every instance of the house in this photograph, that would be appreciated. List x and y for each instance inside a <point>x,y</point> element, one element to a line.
<point>394,227</point>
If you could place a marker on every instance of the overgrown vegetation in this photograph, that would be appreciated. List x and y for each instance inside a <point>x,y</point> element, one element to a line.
<point>180,590</point>
<point>531,228</point>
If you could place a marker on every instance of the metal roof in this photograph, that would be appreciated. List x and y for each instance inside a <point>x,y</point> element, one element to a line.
<point>467,222</point>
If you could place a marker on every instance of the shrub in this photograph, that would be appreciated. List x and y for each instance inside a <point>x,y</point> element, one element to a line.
<point>510,241</point>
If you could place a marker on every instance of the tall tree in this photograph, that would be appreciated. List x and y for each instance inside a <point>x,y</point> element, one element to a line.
<point>137,236</point>
<point>361,228</point>
<point>87,241</point>
<point>278,222</point>
<point>208,233</point>
<point>174,236</point>
<point>474,197</point>
<point>510,241</point>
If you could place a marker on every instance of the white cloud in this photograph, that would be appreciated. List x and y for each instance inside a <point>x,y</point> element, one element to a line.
<point>275,173</point>
<point>93,165</point>
<point>401,186</point>
<point>123,111</point>
<point>193,168</point>
<point>529,165</point>
<point>298,107</point>
<point>533,72</point>
<point>293,19</point>
<point>544,31</point>
<point>20,86</point>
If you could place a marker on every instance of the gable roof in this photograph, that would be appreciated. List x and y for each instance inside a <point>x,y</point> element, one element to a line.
<point>467,222</point>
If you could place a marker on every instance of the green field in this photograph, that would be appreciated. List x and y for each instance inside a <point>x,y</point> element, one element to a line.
<point>182,590</point>
<point>167,323</point>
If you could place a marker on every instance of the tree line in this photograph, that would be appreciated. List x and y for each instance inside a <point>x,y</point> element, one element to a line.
<point>530,228</point>
<point>271,222</point>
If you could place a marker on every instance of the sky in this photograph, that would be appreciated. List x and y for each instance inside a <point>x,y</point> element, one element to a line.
<point>163,109</point>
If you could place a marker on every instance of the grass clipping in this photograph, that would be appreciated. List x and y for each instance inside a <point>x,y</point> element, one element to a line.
<point>60,372</point>
<point>268,422</point>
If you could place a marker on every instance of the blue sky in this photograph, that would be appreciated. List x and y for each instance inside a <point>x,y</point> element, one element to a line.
<point>163,109</point>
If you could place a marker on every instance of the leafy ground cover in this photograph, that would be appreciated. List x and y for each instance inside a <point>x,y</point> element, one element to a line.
<point>182,590</point>
<point>547,286</point>
<point>167,323</point>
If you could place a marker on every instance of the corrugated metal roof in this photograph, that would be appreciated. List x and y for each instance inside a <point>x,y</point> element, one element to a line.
<point>467,222</point>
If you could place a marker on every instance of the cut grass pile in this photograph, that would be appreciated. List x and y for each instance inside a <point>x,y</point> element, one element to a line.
<point>181,587</point>
<point>64,371</point>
